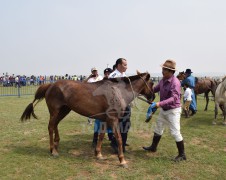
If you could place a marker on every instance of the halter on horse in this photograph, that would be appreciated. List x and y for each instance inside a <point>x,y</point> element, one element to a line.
<point>105,100</point>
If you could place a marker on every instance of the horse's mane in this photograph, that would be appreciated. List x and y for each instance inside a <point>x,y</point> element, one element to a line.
<point>223,78</point>
<point>126,80</point>
<point>129,78</point>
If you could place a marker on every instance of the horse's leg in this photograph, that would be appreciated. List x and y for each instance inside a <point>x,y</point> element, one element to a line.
<point>51,131</point>
<point>100,140</point>
<point>55,118</point>
<point>216,112</point>
<point>224,113</point>
<point>63,112</point>
<point>207,100</point>
<point>118,137</point>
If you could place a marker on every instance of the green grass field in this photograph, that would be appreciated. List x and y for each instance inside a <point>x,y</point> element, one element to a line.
<point>24,147</point>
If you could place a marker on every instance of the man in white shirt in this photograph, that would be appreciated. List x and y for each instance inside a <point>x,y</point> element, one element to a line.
<point>94,76</point>
<point>17,83</point>
<point>121,67</point>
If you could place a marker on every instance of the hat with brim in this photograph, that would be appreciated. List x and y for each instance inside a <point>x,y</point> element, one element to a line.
<point>169,64</point>
<point>93,69</point>
<point>188,71</point>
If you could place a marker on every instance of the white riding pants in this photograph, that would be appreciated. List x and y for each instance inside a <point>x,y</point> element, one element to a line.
<point>170,118</point>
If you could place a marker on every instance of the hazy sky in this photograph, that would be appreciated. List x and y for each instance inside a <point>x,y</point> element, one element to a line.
<point>45,37</point>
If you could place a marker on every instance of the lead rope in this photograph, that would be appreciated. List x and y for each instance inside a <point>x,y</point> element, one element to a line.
<point>146,84</point>
<point>133,93</point>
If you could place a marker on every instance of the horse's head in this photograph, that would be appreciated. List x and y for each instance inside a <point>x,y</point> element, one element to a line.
<point>181,76</point>
<point>147,91</point>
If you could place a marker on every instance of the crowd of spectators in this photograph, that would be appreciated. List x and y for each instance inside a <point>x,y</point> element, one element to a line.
<point>7,80</point>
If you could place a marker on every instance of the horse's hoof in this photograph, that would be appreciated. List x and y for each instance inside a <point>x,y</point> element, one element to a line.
<point>55,154</point>
<point>124,165</point>
<point>214,123</point>
<point>56,147</point>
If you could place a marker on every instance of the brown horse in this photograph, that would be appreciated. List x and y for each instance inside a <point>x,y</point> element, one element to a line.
<point>205,86</point>
<point>105,100</point>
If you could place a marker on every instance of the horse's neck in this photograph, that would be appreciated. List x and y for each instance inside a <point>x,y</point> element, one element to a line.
<point>136,87</point>
<point>223,84</point>
<point>130,91</point>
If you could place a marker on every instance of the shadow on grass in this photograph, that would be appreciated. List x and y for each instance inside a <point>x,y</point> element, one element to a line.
<point>79,146</point>
<point>145,155</point>
<point>199,119</point>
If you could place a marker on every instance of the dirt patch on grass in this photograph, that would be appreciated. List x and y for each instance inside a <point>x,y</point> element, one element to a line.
<point>72,133</point>
<point>29,132</point>
<point>44,139</point>
<point>144,135</point>
<point>202,143</point>
<point>196,141</point>
<point>75,152</point>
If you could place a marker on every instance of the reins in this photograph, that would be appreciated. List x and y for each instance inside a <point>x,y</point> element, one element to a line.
<point>143,99</point>
<point>146,84</point>
<point>133,92</point>
<point>142,95</point>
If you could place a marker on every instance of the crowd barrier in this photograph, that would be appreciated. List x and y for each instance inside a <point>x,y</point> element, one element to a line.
<point>18,90</point>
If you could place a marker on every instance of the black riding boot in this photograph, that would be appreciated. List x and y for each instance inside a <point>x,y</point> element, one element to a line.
<point>193,112</point>
<point>181,156</point>
<point>153,147</point>
<point>95,138</point>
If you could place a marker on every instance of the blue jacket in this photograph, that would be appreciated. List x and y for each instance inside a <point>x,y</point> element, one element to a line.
<point>190,80</point>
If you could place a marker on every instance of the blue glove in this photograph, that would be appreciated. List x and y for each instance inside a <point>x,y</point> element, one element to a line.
<point>151,110</point>
<point>149,113</point>
<point>153,105</point>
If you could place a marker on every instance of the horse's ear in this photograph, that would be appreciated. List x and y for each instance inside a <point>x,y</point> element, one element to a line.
<point>138,72</point>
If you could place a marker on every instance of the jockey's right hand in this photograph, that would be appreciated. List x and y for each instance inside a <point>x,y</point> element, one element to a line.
<point>151,110</point>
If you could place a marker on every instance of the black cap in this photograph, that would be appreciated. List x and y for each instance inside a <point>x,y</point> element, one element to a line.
<point>188,71</point>
<point>108,70</point>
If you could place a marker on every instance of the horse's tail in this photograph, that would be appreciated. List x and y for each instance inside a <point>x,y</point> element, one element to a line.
<point>39,95</point>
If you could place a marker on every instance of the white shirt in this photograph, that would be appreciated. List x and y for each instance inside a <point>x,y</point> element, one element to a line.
<point>16,79</point>
<point>116,73</point>
<point>187,94</point>
<point>95,79</point>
